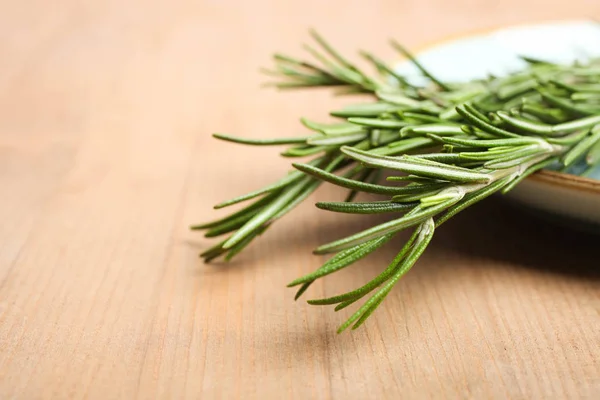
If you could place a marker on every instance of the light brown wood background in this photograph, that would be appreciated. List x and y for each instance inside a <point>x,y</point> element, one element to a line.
<point>106,111</point>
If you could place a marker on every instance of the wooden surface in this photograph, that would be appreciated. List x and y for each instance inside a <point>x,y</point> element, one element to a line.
<point>106,111</point>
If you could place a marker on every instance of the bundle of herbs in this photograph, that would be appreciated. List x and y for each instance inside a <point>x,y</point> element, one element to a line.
<point>443,147</point>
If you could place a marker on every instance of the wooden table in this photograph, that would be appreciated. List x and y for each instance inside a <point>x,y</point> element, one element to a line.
<point>106,158</point>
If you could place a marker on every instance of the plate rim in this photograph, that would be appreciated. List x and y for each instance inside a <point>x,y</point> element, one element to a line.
<point>546,176</point>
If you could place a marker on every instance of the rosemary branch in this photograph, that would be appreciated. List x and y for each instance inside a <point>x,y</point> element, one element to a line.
<point>446,145</point>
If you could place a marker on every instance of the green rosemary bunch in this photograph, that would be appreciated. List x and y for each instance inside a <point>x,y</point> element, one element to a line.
<point>444,147</point>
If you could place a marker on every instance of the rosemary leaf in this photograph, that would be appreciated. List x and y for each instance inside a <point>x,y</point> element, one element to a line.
<point>405,165</point>
<point>385,228</point>
<point>365,208</point>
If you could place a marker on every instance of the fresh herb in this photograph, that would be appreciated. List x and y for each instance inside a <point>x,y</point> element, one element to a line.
<point>445,146</point>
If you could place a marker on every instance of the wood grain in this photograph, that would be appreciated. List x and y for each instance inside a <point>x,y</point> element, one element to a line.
<point>106,111</point>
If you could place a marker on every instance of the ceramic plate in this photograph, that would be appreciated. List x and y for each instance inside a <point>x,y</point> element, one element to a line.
<point>565,197</point>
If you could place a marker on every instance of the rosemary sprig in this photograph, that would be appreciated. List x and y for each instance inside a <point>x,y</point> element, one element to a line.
<point>447,146</point>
